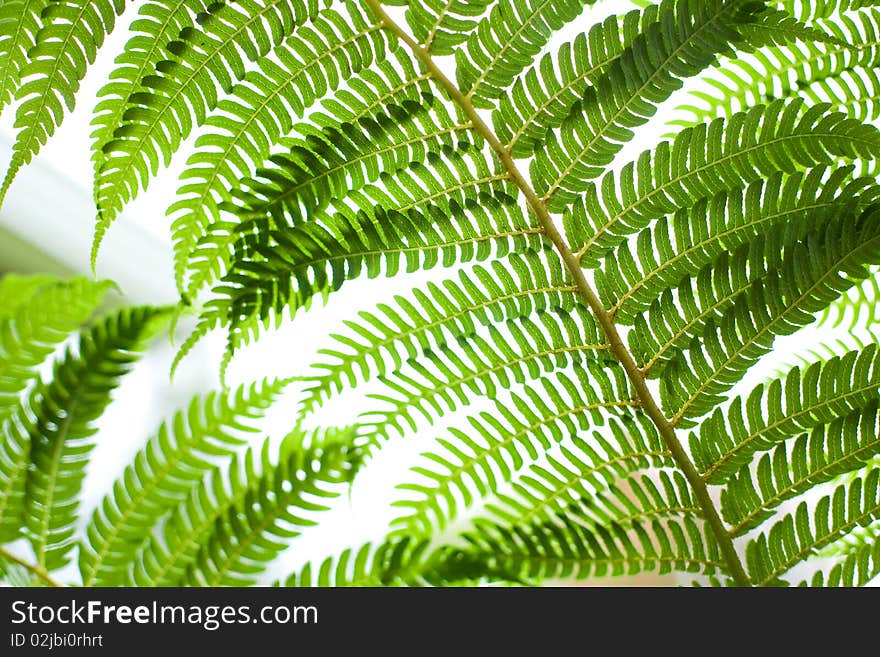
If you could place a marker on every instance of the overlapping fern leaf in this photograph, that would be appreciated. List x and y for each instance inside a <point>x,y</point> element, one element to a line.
<point>171,463</point>
<point>592,306</point>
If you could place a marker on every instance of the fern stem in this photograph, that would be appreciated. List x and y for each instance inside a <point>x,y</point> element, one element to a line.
<point>615,342</point>
<point>31,568</point>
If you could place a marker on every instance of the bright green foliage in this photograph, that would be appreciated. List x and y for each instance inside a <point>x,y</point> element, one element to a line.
<point>475,460</point>
<point>261,110</point>
<point>37,314</point>
<point>166,468</point>
<point>156,26</point>
<point>47,80</point>
<point>819,71</point>
<point>777,304</point>
<point>784,408</point>
<point>515,287</point>
<point>506,42</point>
<point>65,410</point>
<point>183,90</point>
<point>442,379</point>
<point>797,535</point>
<point>570,549</point>
<point>597,294</point>
<point>19,24</point>
<point>684,40</point>
<point>440,25</point>
<point>542,98</point>
<point>827,452</point>
<point>580,472</point>
<point>227,530</point>
<point>396,562</point>
<point>709,158</point>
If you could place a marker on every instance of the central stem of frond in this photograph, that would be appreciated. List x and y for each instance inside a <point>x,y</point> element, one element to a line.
<point>572,263</point>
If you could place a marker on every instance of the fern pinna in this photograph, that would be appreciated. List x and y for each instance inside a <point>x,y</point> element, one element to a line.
<point>607,306</point>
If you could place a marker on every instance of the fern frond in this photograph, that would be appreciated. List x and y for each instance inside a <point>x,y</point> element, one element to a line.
<point>778,304</point>
<point>679,316</point>
<point>579,472</point>
<point>39,314</point>
<point>512,34</point>
<point>471,468</point>
<point>858,563</point>
<point>302,262</point>
<point>163,471</point>
<point>857,308</point>
<point>183,90</point>
<point>72,31</point>
<point>671,249</point>
<point>246,500</point>
<point>395,562</point>
<point>68,406</point>
<point>799,535</point>
<point>380,342</point>
<point>568,549</point>
<point>16,426</point>
<point>797,69</point>
<point>158,24</point>
<point>790,470</point>
<point>19,25</point>
<point>440,25</point>
<point>544,95</point>
<point>326,165</point>
<point>260,110</point>
<point>706,159</point>
<point>441,379</point>
<point>813,9</point>
<point>784,408</point>
<point>686,39</point>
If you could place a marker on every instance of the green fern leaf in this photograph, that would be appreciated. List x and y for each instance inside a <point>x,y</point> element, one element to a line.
<point>327,164</point>
<point>670,326</point>
<point>320,259</point>
<point>806,69</point>
<point>706,159</point>
<point>206,61</point>
<point>470,468</point>
<point>812,9</point>
<point>67,43</point>
<point>797,537</point>
<point>512,34</point>
<point>790,470</point>
<point>685,40</point>
<point>68,406</point>
<point>440,25</point>
<point>381,342</point>
<point>37,313</point>
<point>158,23</point>
<point>258,113</point>
<point>857,563</point>
<point>567,549</point>
<point>19,24</point>
<point>164,470</point>
<point>783,207</point>
<point>579,472</point>
<point>541,98</point>
<point>778,304</point>
<point>439,380</point>
<point>784,408</point>
<point>395,562</point>
<point>223,537</point>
